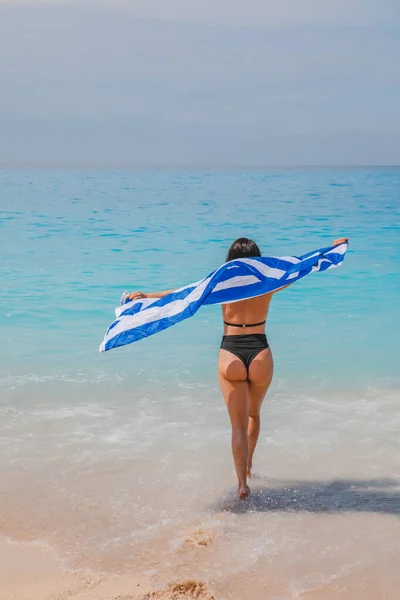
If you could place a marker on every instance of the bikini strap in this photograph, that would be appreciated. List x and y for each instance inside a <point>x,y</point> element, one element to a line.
<point>244,324</point>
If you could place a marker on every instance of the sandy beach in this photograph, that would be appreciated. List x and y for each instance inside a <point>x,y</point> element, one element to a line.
<point>33,572</point>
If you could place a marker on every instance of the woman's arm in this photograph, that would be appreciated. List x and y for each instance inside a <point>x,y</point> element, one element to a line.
<point>138,295</point>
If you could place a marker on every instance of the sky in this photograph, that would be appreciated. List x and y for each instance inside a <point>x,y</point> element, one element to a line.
<point>218,83</point>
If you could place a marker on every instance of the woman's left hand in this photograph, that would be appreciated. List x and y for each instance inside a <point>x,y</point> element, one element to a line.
<point>136,295</point>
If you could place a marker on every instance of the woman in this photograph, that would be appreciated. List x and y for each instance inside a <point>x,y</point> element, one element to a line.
<point>245,365</point>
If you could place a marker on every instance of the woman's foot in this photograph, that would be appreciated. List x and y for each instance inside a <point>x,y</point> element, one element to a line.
<point>243,492</point>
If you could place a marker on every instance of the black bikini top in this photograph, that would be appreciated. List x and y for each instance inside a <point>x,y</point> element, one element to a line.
<point>244,324</point>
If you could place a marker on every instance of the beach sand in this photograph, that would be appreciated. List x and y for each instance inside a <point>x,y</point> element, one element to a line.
<point>33,572</point>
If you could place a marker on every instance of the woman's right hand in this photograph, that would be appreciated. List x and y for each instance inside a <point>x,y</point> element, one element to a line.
<point>340,241</point>
<point>136,295</point>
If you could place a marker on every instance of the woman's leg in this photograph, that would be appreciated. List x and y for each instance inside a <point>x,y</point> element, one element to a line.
<point>260,376</point>
<point>232,377</point>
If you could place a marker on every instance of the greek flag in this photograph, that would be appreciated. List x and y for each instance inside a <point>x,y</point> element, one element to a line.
<point>235,280</point>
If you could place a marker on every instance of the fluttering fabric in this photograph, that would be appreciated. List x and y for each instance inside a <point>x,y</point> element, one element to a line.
<point>235,280</point>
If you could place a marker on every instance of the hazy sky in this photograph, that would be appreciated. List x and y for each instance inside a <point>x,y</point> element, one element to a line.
<point>205,82</point>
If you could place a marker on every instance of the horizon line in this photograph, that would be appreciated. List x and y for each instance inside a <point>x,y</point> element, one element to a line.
<point>182,166</point>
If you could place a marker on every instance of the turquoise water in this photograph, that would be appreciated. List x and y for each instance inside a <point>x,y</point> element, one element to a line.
<point>72,241</point>
<point>132,447</point>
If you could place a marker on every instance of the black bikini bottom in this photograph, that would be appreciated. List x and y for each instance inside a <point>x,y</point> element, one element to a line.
<point>245,347</point>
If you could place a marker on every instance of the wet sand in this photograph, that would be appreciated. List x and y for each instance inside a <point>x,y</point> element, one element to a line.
<point>33,572</point>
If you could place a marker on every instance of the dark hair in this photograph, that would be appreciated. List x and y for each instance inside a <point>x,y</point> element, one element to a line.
<point>243,248</point>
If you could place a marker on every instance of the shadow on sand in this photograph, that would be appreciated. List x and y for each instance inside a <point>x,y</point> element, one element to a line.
<point>337,496</point>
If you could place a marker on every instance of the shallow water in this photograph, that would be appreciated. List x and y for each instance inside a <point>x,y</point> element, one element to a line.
<point>122,460</point>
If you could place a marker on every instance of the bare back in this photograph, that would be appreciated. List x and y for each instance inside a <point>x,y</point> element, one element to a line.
<point>253,310</point>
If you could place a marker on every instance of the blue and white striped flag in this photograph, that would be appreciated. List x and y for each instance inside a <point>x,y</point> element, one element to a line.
<point>235,280</point>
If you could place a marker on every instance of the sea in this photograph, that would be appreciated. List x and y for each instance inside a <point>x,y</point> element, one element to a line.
<point>121,461</point>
